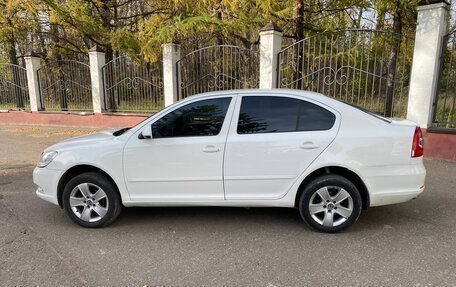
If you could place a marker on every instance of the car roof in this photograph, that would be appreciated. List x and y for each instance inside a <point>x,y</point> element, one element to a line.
<point>273,92</point>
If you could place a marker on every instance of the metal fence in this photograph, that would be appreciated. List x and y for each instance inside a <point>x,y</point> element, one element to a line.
<point>215,68</point>
<point>65,86</point>
<point>13,87</point>
<point>444,113</point>
<point>133,86</point>
<point>368,68</point>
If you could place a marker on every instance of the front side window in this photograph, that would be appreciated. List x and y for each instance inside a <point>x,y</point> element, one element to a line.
<point>201,118</point>
<point>281,114</point>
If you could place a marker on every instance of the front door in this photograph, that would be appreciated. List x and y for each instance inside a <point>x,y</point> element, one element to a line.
<point>184,158</point>
<point>272,140</point>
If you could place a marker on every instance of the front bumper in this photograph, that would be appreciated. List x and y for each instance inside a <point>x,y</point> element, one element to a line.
<point>47,181</point>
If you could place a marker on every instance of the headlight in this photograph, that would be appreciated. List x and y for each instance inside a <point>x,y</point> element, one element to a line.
<point>46,158</point>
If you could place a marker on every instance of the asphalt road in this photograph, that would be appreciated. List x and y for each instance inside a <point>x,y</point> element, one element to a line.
<point>410,244</point>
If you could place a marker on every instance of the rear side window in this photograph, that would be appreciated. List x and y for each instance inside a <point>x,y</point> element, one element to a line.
<point>202,118</point>
<point>314,118</point>
<point>281,114</point>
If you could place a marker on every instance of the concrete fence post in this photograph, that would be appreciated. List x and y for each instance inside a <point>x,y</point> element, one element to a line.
<point>97,59</point>
<point>171,79</point>
<point>32,65</point>
<point>431,26</point>
<point>270,46</point>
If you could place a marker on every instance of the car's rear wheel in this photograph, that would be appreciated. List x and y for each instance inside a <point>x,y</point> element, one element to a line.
<point>330,203</point>
<point>91,200</point>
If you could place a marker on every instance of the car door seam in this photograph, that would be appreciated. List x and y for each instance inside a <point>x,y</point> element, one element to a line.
<point>236,96</point>
<point>310,164</point>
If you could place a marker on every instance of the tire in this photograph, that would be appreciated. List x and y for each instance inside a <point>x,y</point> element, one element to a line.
<point>321,205</point>
<point>95,200</point>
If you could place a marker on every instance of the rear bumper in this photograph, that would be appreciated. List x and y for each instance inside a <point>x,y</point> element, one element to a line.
<point>386,198</point>
<point>395,184</point>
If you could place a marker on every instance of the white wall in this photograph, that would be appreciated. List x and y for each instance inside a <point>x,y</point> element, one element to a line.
<point>431,27</point>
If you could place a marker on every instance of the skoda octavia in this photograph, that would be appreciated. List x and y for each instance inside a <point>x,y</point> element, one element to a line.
<point>249,148</point>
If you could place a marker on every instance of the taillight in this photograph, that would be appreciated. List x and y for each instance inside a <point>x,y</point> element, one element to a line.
<point>418,143</point>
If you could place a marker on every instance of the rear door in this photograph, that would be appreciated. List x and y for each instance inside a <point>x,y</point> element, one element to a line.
<point>272,140</point>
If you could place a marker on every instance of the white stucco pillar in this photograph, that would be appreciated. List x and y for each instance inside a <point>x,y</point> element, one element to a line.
<point>171,79</point>
<point>32,65</point>
<point>97,59</point>
<point>431,27</point>
<point>270,46</point>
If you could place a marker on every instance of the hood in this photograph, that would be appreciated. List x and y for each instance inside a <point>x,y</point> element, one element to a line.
<point>85,140</point>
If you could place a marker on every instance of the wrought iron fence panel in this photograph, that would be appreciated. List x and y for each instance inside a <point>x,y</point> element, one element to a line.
<point>444,114</point>
<point>215,68</point>
<point>133,86</point>
<point>367,68</point>
<point>13,87</point>
<point>65,86</point>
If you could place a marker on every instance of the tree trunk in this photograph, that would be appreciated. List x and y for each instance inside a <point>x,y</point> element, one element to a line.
<point>218,15</point>
<point>106,17</point>
<point>15,72</point>
<point>12,52</point>
<point>392,61</point>
<point>299,20</point>
<point>60,73</point>
<point>16,79</point>
<point>380,21</point>
<point>298,35</point>
<point>360,18</point>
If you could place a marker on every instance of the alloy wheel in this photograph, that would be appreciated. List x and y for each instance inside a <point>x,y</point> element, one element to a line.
<point>89,202</point>
<point>330,206</point>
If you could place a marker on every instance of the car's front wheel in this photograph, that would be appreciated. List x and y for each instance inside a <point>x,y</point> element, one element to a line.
<point>330,203</point>
<point>91,200</point>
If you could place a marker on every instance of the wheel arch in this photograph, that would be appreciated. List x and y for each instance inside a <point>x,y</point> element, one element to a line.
<point>342,171</point>
<point>77,170</point>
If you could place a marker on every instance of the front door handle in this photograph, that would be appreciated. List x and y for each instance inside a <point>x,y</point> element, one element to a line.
<point>309,145</point>
<point>211,149</point>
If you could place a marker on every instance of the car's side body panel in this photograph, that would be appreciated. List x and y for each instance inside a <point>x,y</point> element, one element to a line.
<point>178,168</point>
<point>377,151</point>
<point>103,152</point>
<point>381,154</point>
<point>265,165</point>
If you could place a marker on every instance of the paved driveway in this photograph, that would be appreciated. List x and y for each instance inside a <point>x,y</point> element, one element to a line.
<point>407,244</point>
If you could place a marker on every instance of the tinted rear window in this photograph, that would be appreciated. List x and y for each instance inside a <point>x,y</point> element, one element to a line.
<point>281,114</point>
<point>314,118</point>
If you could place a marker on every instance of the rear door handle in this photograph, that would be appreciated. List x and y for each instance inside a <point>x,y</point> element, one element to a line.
<point>309,145</point>
<point>211,149</point>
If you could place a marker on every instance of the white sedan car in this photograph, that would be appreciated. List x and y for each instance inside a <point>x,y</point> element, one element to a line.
<point>245,148</point>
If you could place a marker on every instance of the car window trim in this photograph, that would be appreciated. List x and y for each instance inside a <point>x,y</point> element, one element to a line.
<point>242,96</point>
<point>192,102</point>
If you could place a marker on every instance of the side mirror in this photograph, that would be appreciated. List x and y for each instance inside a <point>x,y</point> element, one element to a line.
<point>146,132</point>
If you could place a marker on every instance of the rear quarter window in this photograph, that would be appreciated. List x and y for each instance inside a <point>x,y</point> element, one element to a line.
<point>314,118</point>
